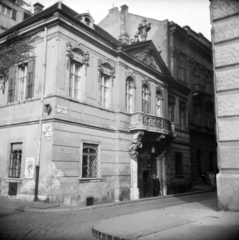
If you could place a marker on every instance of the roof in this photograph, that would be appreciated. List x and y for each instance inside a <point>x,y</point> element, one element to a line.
<point>71,14</point>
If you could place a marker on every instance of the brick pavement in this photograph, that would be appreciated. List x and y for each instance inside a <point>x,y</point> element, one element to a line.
<point>16,224</point>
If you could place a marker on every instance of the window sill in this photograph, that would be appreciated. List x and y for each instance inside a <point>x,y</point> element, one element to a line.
<point>85,180</point>
<point>13,179</point>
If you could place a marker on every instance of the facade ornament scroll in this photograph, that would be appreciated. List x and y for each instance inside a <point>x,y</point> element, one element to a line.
<point>72,53</point>
<point>105,68</point>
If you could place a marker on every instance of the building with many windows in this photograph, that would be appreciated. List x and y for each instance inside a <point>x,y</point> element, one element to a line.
<point>13,12</point>
<point>188,56</point>
<point>86,119</point>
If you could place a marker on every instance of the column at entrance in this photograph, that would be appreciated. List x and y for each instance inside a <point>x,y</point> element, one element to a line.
<point>134,190</point>
<point>136,143</point>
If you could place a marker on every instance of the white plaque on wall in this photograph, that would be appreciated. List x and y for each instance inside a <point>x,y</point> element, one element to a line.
<point>29,167</point>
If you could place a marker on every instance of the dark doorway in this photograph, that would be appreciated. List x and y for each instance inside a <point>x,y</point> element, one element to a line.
<point>146,183</point>
<point>199,162</point>
<point>211,159</point>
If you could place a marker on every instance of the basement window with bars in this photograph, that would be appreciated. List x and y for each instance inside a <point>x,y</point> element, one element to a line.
<point>15,160</point>
<point>90,161</point>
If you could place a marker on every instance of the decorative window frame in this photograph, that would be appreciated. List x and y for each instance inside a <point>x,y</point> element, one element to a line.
<point>105,68</point>
<point>77,54</point>
<point>98,178</point>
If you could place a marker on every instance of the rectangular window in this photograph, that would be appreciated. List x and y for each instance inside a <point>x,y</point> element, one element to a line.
<point>15,160</point>
<point>14,14</point>
<point>105,91</point>
<point>74,88</point>
<point>182,118</point>
<point>90,161</point>
<point>178,164</point>
<point>22,77</point>
<point>171,112</point>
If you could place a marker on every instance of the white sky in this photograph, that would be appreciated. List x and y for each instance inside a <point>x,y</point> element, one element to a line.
<point>194,13</point>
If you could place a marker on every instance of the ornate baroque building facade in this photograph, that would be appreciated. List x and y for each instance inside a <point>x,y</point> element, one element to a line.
<point>86,119</point>
<point>188,56</point>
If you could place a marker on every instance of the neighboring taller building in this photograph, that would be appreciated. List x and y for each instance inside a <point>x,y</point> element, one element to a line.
<point>188,56</point>
<point>13,12</point>
<point>225,39</point>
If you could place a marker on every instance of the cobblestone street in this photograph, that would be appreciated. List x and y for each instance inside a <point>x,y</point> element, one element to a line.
<point>17,224</point>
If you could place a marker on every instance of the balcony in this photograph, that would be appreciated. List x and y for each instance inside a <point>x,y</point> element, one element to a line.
<point>142,121</point>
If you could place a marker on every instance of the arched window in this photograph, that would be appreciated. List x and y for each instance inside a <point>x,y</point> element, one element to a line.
<point>129,95</point>
<point>145,99</point>
<point>159,103</point>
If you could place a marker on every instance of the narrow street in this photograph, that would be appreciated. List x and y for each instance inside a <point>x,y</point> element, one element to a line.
<point>16,224</point>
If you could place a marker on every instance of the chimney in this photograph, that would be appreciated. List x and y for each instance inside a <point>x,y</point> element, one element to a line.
<point>124,37</point>
<point>37,8</point>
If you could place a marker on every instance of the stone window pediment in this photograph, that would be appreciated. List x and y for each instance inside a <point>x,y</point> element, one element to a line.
<point>106,68</point>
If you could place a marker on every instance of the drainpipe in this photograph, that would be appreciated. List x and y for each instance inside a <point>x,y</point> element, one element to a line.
<point>40,119</point>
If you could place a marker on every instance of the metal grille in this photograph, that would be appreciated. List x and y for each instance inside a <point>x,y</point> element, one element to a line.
<point>15,160</point>
<point>90,161</point>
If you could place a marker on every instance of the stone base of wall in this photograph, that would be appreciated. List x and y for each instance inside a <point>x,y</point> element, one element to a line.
<point>228,191</point>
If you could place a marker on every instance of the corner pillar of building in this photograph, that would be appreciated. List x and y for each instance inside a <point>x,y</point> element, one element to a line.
<point>135,144</point>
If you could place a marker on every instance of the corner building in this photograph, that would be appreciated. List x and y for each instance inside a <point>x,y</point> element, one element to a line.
<point>84,118</point>
<point>188,56</point>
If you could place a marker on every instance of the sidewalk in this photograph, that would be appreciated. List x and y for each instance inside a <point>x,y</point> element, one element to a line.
<point>53,207</point>
<point>198,220</point>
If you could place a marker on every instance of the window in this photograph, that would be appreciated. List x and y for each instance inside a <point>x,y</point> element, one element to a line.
<point>14,14</point>
<point>105,91</point>
<point>22,74</point>
<point>11,84</point>
<point>197,114</point>
<point>90,161</point>
<point>171,107</point>
<point>25,80</point>
<point>182,115</point>
<point>180,69</point>
<point>145,101</point>
<point>159,104</point>
<point>15,160</point>
<point>178,164</point>
<point>129,95</point>
<point>209,123</point>
<point>11,13</point>
<point>74,88</point>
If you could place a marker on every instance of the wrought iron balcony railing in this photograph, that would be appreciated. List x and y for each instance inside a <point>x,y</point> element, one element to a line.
<point>142,121</point>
